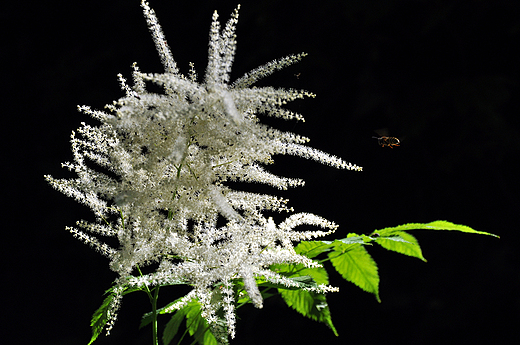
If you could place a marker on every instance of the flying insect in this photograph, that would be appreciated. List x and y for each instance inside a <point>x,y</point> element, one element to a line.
<point>387,141</point>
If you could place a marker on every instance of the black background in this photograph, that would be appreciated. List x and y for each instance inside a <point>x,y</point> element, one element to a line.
<point>443,76</point>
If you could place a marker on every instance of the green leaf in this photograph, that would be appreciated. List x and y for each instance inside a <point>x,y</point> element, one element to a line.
<point>194,319</point>
<point>354,264</point>
<point>403,243</point>
<point>172,327</point>
<point>209,338</point>
<point>196,325</point>
<point>312,249</point>
<point>351,239</point>
<point>100,316</point>
<point>244,298</point>
<point>301,282</point>
<point>436,225</point>
<point>305,276</point>
<point>310,304</point>
<point>148,317</point>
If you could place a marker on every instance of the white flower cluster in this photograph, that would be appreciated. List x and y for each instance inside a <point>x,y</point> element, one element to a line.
<point>163,161</point>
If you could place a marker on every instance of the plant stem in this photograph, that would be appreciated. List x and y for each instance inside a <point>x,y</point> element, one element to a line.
<point>153,302</point>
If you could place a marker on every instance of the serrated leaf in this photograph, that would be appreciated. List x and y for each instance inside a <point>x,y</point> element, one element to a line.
<point>100,316</point>
<point>172,327</point>
<point>436,225</point>
<point>350,239</point>
<point>402,242</point>
<point>196,325</point>
<point>209,338</point>
<point>310,304</point>
<point>148,317</point>
<point>301,282</point>
<point>345,244</point>
<point>305,277</point>
<point>244,298</point>
<point>194,319</point>
<point>312,249</point>
<point>357,266</point>
<point>309,276</point>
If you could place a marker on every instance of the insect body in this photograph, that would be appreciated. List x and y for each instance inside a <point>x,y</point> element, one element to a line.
<point>387,141</point>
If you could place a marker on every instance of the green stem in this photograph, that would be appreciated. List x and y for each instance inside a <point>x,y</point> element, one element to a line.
<point>153,302</point>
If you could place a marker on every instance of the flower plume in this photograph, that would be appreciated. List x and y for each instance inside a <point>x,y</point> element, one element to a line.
<point>156,173</point>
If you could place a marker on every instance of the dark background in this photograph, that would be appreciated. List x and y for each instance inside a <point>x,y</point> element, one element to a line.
<point>443,76</point>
